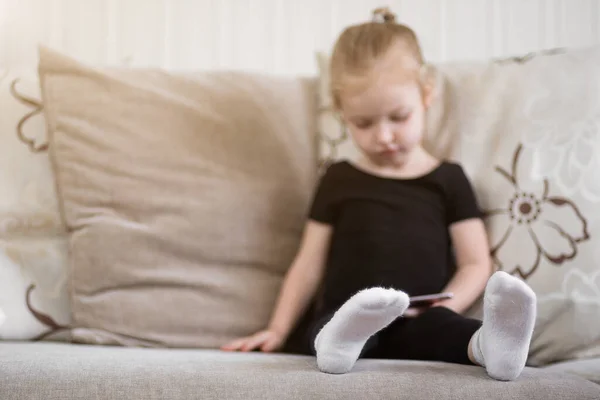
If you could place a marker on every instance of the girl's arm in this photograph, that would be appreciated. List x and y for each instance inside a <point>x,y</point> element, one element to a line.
<point>474,265</point>
<point>303,278</point>
<point>299,286</point>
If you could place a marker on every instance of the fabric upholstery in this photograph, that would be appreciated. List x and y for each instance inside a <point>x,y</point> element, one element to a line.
<point>587,369</point>
<point>33,240</point>
<point>64,371</point>
<point>184,196</point>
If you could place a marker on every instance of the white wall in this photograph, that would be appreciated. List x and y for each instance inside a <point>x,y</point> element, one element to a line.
<point>279,35</point>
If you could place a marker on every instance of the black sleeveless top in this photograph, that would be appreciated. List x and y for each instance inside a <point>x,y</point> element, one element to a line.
<point>390,232</point>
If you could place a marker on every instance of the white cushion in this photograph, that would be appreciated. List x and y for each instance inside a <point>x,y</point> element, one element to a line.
<point>32,239</point>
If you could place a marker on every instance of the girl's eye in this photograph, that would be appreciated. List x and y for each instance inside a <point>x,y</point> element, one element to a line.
<point>399,117</point>
<point>363,124</point>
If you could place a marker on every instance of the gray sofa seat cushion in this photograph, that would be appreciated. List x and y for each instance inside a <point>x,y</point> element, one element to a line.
<point>52,371</point>
<point>588,369</point>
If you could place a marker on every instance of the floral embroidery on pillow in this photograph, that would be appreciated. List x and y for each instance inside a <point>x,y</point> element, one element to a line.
<point>538,225</point>
<point>36,145</point>
<point>53,326</point>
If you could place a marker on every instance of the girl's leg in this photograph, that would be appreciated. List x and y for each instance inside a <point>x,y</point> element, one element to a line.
<point>500,343</point>
<point>438,334</point>
<point>342,339</point>
<point>509,311</point>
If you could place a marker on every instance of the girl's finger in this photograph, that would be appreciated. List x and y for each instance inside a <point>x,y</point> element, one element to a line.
<point>270,345</point>
<point>235,345</point>
<point>253,342</point>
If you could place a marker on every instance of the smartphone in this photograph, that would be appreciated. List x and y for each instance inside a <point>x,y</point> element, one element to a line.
<point>429,299</point>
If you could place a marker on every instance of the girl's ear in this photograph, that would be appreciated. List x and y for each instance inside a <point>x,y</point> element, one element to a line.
<point>429,94</point>
<point>428,86</point>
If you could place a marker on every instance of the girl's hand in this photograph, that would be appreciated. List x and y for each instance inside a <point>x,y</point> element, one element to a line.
<point>267,341</point>
<point>412,312</point>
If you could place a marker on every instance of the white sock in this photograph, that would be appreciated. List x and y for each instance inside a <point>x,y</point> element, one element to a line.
<point>501,345</point>
<point>341,340</point>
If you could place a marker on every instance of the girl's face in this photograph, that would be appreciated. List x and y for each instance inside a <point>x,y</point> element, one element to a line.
<point>386,119</point>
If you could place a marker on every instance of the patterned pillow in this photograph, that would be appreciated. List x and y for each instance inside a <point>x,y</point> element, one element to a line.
<point>33,297</point>
<point>527,131</point>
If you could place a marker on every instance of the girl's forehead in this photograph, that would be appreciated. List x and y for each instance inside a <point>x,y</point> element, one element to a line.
<point>380,94</point>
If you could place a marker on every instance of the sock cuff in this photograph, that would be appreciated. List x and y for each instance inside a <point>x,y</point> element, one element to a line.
<point>476,348</point>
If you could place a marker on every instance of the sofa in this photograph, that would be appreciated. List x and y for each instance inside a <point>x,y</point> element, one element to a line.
<point>149,217</point>
<point>67,371</point>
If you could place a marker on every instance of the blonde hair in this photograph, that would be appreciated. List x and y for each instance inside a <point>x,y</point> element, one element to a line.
<point>361,46</point>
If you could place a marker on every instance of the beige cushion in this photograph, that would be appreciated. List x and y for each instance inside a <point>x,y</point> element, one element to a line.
<point>33,295</point>
<point>527,132</point>
<point>587,369</point>
<point>48,371</point>
<point>184,196</point>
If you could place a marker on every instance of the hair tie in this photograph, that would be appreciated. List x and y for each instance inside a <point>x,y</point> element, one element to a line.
<point>383,15</point>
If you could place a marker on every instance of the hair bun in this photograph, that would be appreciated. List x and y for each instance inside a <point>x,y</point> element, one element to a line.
<point>384,14</point>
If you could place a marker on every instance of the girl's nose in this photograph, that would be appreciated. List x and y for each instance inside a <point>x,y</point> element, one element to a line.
<point>384,135</point>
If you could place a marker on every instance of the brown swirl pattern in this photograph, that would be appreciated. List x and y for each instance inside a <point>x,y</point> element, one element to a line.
<point>53,326</point>
<point>37,108</point>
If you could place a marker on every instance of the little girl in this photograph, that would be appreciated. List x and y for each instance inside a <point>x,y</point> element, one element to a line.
<point>396,223</point>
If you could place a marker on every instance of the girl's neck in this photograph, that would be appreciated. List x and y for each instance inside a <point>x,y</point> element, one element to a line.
<point>418,163</point>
